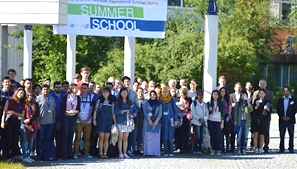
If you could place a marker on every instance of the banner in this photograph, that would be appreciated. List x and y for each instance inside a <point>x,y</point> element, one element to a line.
<point>133,18</point>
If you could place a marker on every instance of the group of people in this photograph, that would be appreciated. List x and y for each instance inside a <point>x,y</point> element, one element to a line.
<point>79,119</point>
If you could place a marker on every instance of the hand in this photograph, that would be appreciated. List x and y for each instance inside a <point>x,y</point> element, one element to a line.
<point>30,128</point>
<point>150,122</point>
<point>233,104</point>
<point>39,127</point>
<point>9,112</point>
<point>26,121</point>
<point>235,123</point>
<point>175,124</point>
<point>210,108</point>
<point>156,123</point>
<point>266,108</point>
<point>3,125</point>
<point>83,122</point>
<point>257,103</point>
<point>94,122</point>
<point>131,116</point>
<point>201,121</point>
<point>222,125</point>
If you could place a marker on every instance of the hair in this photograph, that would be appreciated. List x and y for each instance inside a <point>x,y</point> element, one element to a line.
<point>5,78</point>
<point>263,80</point>
<point>84,84</point>
<point>108,83</point>
<point>227,96</point>
<point>237,83</point>
<point>286,87</point>
<point>11,70</point>
<point>158,92</point>
<point>249,82</point>
<point>15,95</point>
<point>174,90</point>
<point>262,90</point>
<point>182,79</point>
<point>12,81</point>
<point>185,93</point>
<point>152,81</point>
<point>49,79</point>
<point>163,83</point>
<point>193,81</point>
<point>31,103</point>
<point>65,83</point>
<point>173,81</point>
<point>101,98</point>
<point>196,98</point>
<point>120,98</point>
<point>45,86</point>
<point>125,78</point>
<point>76,76</point>
<point>72,86</point>
<point>85,68</point>
<point>57,83</point>
<point>135,82</point>
<point>27,79</point>
<point>35,86</point>
<point>140,88</point>
<point>92,82</point>
<point>219,99</point>
<point>222,77</point>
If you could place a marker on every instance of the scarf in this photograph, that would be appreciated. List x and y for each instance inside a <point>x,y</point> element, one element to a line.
<point>28,114</point>
<point>153,103</point>
<point>165,99</point>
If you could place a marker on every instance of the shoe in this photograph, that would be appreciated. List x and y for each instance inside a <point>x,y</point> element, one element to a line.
<point>87,155</point>
<point>261,151</point>
<point>126,156</point>
<point>9,160</point>
<point>218,153</point>
<point>244,152</point>
<point>165,155</point>
<point>20,157</point>
<point>291,151</point>
<point>170,155</point>
<point>26,160</point>
<point>75,155</point>
<point>105,156</point>
<point>256,151</point>
<point>121,156</point>
<point>238,152</point>
<point>199,153</point>
<point>130,154</point>
<point>212,153</point>
<point>30,159</point>
<point>194,152</point>
<point>281,151</point>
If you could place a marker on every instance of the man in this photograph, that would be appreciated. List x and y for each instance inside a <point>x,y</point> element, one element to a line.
<point>5,95</point>
<point>97,88</point>
<point>12,74</point>
<point>135,86</point>
<point>57,94</point>
<point>234,97</point>
<point>47,81</point>
<point>269,98</point>
<point>286,110</point>
<point>114,91</point>
<point>182,82</point>
<point>28,85</point>
<point>139,80</point>
<point>117,84</point>
<point>65,87</point>
<point>192,93</point>
<point>83,123</point>
<point>249,90</point>
<point>46,119</point>
<point>85,73</point>
<point>151,85</point>
<point>132,95</point>
<point>13,85</point>
<point>222,83</point>
<point>144,86</point>
<point>76,78</point>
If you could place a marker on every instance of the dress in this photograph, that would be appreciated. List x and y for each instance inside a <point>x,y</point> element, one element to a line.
<point>104,120</point>
<point>259,121</point>
<point>170,115</point>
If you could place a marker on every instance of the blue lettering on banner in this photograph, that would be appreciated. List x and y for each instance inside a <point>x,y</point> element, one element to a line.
<point>127,24</point>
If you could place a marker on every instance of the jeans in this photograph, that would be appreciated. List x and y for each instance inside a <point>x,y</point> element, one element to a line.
<point>168,146</point>
<point>198,130</point>
<point>57,138</point>
<point>68,128</point>
<point>26,144</point>
<point>131,139</point>
<point>86,129</point>
<point>137,140</point>
<point>43,135</point>
<point>282,131</point>
<point>242,136</point>
<point>215,134</point>
<point>184,134</point>
<point>227,136</point>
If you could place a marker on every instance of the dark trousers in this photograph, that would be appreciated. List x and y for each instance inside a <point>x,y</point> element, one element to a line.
<point>68,128</point>
<point>131,139</point>
<point>232,141</point>
<point>282,131</point>
<point>137,140</point>
<point>215,135</point>
<point>12,130</point>
<point>2,141</point>
<point>57,137</point>
<point>266,138</point>
<point>184,134</point>
<point>93,141</point>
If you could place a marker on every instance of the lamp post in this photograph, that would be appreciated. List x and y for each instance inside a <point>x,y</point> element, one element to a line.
<point>210,50</point>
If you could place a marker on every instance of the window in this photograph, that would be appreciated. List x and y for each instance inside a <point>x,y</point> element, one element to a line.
<point>179,3</point>
<point>282,8</point>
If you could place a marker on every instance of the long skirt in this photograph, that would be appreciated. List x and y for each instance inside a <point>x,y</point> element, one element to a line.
<point>151,141</point>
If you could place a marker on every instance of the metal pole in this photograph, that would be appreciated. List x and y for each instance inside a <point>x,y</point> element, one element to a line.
<point>129,62</point>
<point>27,68</point>
<point>71,57</point>
<point>210,50</point>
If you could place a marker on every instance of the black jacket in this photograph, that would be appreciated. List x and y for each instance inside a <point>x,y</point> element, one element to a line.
<point>291,110</point>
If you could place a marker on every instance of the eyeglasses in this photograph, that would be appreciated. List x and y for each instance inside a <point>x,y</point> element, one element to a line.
<point>84,88</point>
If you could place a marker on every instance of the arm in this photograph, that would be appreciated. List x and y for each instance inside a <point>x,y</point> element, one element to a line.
<point>90,113</point>
<point>146,109</point>
<point>278,109</point>
<point>159,112</point>
<point>175,109</point>
<point>236,112</point>
<point>133,110</point>
<point>3,115</point>
<point>194,113</point>
<point>78,105</point>
<point>206,113</point>
<point>63,104</point>
<point>37,113</point>
<point>118,111</point>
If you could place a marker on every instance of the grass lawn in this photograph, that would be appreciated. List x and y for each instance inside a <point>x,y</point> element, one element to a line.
<point>10,165</point>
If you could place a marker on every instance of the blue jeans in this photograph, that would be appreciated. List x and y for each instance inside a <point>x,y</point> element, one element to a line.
<point>43,135</point>
<point>68,128</point>
<point>137,140</point>
<point>215,134</point>
<point>168,146</point>
<point>26,144</point>
<point>198,130</point>
<point>131,139</point>
<point>282,131</point>
<point>242,136</point>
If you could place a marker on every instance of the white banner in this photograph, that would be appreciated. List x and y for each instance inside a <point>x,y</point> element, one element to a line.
<point>133,18</point>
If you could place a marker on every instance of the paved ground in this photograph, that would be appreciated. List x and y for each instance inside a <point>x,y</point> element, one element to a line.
<point>250,161</point>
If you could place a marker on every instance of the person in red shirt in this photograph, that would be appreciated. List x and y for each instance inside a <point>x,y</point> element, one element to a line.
<point>85,73</point>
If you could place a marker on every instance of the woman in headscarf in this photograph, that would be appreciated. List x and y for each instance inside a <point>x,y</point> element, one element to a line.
<point>151,125</point>
<point>169,121</point>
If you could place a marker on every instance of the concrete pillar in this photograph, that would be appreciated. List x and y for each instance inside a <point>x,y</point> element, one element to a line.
<point>1,51</point>
<point>71,57</point>
<point>28,38</point>
<point>129,62</point>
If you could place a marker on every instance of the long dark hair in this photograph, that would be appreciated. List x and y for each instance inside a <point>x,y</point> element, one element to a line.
<point>102,99</point>
<point>219,100</point>
<point>120,98</point>
<point>15,95</point>
<point>227,95</point>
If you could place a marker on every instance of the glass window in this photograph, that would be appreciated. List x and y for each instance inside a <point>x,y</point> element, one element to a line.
<point>275,75</point>
<point>286,9</point>
<point>174,2</point>
<point>293,73</point>
<point>285,81</point>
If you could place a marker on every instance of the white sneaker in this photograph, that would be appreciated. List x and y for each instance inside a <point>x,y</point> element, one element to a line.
<point>30,159</point>
<point>238,152</point>
<point>170,155</point>
<point>165,155</point>
<point>26,160</point>
<point>244,152</point>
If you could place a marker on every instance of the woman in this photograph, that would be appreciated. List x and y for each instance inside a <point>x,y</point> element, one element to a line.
<point>215,121</point>
<point>228,119</point>
<point>158,92</point>
<point>103,118</point>
<point>125,112</point>
<point>36,90</point>
<point>199,116</point>
<point>29,127</point>
<point>151,126</point>
<point>259,123</point>
<point>13,112</point>
<point>242,118</point>
<point>169,121</point>
<point>69,107</point>
<point>185,111</point>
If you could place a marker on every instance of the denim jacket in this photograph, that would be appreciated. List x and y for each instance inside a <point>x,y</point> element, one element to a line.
<point>121,117</point>
<point>147,111</point>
